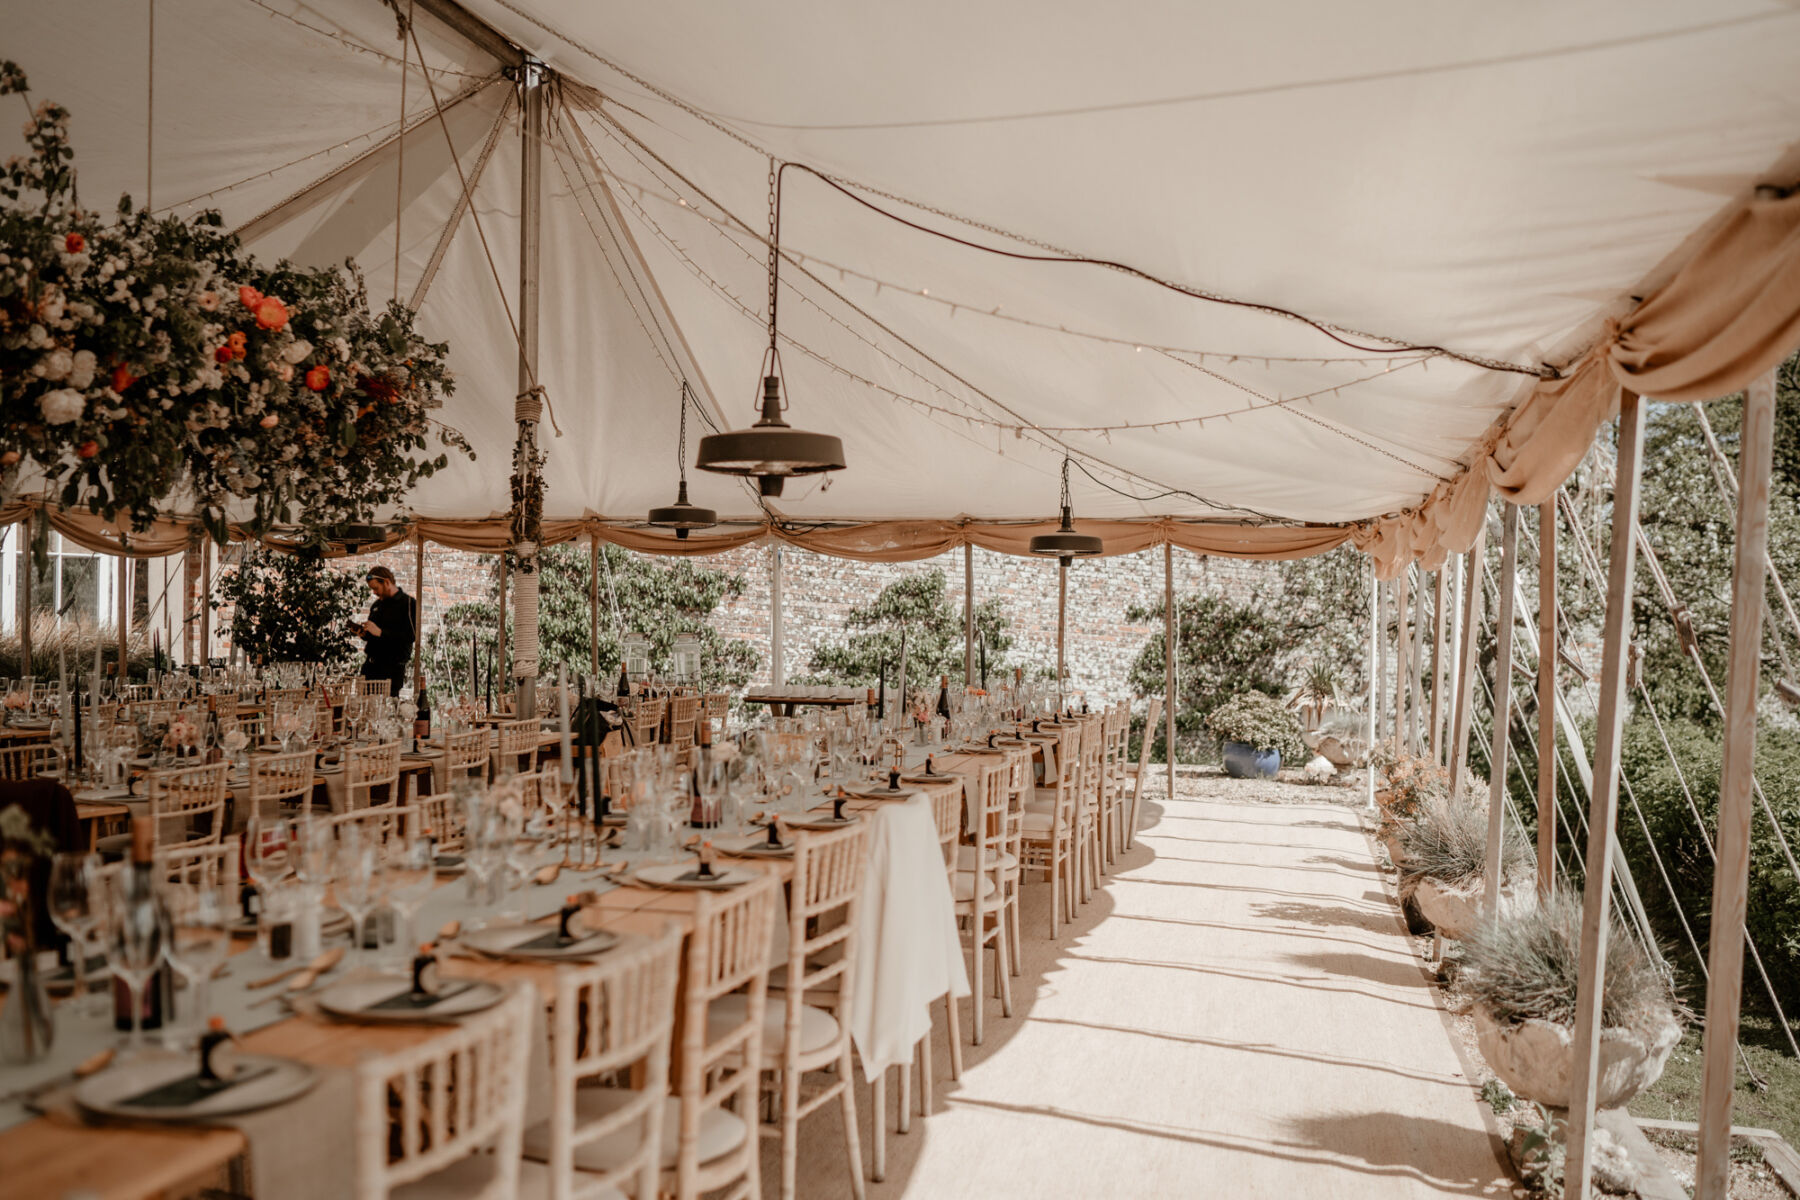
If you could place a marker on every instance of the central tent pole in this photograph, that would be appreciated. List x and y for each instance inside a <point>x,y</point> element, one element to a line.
<point>594,604</point>
<point>1603,810</point>
<point>1731,876</point>
<point>1546,699</point>
<point>1502,721</point>
<point>777,665</point>
<point>528,405</point>
<point>1168,661</point>
<point>1436,740</point>
<point>1062,623</point>
<point>1465,660</point>
<point>968,615</point>
<point>205,608</point>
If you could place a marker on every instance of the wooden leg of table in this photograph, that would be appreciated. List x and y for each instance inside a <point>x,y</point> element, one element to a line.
<point>904,1120</point>
<point>878,1118</point>
<point>925,1073</point>
<point>953,1025</point>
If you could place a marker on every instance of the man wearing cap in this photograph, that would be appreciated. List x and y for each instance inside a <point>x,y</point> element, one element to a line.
<point>388,632</point>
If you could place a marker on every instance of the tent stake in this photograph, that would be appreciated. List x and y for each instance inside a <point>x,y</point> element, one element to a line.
<point>1731,876</point>
<point>1603,811</point>
<point>1502,721</point>
<point>1546,700</point>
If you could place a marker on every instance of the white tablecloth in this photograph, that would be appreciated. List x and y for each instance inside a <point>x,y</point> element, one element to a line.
<point>910,951</point>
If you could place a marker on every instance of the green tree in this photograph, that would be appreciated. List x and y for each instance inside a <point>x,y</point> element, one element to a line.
<point>657,597</point>
<point>289,608</point>
<point>1222,648</point>
<point>934,636</point>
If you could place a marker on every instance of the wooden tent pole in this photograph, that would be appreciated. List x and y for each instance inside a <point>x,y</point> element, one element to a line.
<point>206,564</point>
<point>1502,717</point>
<point>1603,810</point>
<point>968,615</point>
<point>124,615</point>
<point>1415,687</point>
<point>1401,656</point>
<point>1465,660</point>
<point>1062,626</point>
<point>28,569</point>
<point>418,657</point>
<point>777,630</point>
<point>1168,662</point>
<point>1379,716</point>
<point>1374,670</point>
<point>1546,699</point>
<point>500,632</point>
<point>1436,740</point>
<point>1725,951</point>
<point>594,605</point>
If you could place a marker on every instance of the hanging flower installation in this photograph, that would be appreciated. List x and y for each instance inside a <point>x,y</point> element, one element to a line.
<point>148,363</point>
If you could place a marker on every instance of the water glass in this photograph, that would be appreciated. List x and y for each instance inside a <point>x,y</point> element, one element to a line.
<point>77,905</point>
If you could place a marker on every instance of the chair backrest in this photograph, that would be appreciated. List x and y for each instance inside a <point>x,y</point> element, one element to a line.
<point>381,825</point>
<point>29,760</point>
<point>946,814</point>
<point>181,796</point>
<point>451,1097</point>
<point>646,720</point>
<point>518,742</point>
<point>369,767</point>
<point>826,892</point>
<point>376,687</point>
<point>254,726</point>
<point>615,1016</point>
<point>280,777</point>
<point>444,816</point>
<point>682,710</point>
<point>273,696</point>
<point>205,867</point>
<point>716,706</point>
<point>465,756</point>
<point>153,708</point>
<point>729,950</point>
<point>324,722</point>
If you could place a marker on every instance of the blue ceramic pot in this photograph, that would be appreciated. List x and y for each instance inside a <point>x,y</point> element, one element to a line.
<point>1243,761</point>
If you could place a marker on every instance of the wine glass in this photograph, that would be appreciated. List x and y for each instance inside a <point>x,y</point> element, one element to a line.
<point>77,905</point>
<point>268,851</point>
<point>199,941</point>
<point>411,875</point>
<point>356,883</point>
<point>136,941</point>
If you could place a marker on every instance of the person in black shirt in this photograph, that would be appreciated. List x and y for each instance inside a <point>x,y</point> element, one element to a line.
<point>388,633</point>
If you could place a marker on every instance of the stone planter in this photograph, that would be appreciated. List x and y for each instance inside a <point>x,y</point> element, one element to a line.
<point>1536,1059</point>
<point>1455,911</point>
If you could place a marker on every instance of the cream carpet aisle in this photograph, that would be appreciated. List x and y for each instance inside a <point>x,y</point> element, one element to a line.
<point>1236,1014</point>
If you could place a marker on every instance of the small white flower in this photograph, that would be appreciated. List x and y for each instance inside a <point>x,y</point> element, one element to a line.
<point>81,369</point>
<point>54,365</point>
<point>299,350</point>
<point>37,337</point>
<point>62,406</point>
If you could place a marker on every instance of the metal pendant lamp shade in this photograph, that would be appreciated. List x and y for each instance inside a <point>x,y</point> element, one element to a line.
<point>682,516</point>
<point>771,450</point>
<point>1065,542</point>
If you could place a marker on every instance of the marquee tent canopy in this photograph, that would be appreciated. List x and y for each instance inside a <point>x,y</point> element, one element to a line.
<point>1382,257</point>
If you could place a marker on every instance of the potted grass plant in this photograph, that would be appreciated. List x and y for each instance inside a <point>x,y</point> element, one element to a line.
<point>1444,847</point>
<point>1519,975</point>
<point>1256,732</point>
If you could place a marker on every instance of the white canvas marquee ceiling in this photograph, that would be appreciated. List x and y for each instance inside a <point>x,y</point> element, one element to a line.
<point>1495,181</point>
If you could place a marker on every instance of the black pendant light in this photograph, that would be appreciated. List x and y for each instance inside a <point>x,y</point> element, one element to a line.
<point>1065,542</point>
<point>771,450</point>
<point>682,516</point>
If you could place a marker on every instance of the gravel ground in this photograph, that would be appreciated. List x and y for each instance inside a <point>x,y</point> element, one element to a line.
<point>1291,787</point>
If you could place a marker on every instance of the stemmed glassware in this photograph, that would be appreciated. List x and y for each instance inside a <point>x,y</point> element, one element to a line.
<point>136,941</point>
<point>356,883</point>
<point>199,941</point>
<point>77,904</point>
<point>268,851</point>
<point>411,875</point>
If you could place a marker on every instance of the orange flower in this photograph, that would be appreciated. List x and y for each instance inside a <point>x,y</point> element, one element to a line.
<point>249,297</point>
<point>319,378</point>
<point>237,339</point>
<point>271,314</point>
<point>87,449</point>
<point>122,378</point>
<point>74,244</point>
<point>270,421</point>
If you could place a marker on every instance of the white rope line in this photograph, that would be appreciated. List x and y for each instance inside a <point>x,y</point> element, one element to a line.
<point>350,43</point>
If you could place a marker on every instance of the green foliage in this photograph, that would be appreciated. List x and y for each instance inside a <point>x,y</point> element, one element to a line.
<point>1446,841</point>
<point>934,636</point>
<point>1261,722</point>
<point>1525,966</point>
<point>1314,627</point>
<point>290,608</point>
<point>658,597</point>
<point>1498,1096</point>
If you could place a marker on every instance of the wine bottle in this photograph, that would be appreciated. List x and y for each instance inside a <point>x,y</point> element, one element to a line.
<point>141,904</point>
<point>698,817</point>
<point>624,682</point>
<point>943,704</point>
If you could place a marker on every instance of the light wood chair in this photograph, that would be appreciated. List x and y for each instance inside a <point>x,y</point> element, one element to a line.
<point>716,1146</point>
<point>465,757</point>
<point>367,768</point>
<point>253,725</point>
<point>979,889</point>
<point>30,760</point>
<point>381,825</point>
<point>443,1118</point>
<point>1143,767</point>
<point>646,720</point>
<point>716,706</point>
<point>202,867</point>
<point>1090,829</point>
<point>375,687</point>
<point>516,751</point>
<point>324,722</point>
<point>1049,832</point>
<point>180,798</point>
<point>443,816</point>
<point>274,696</point>
<point>281,778</point>
<point>809,1030</point>
<point>613,1018</point>
<point>682,713</point>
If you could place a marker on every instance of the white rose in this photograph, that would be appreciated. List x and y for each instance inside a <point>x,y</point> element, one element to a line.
<point>299,350</point>
<point>81,369</point>
<point>62,406</point>
<point>55,365</point>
